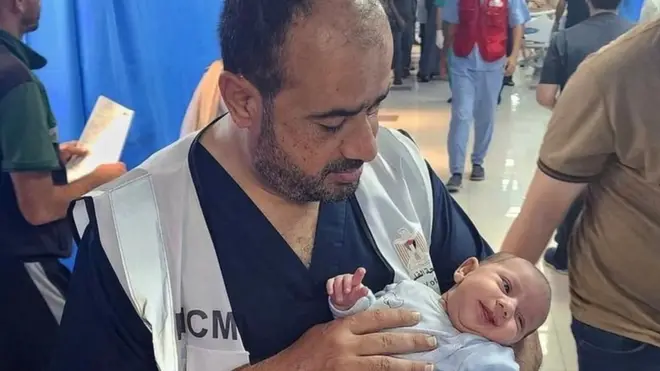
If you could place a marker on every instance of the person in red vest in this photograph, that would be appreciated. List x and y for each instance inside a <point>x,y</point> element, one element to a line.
<point>477,36</point>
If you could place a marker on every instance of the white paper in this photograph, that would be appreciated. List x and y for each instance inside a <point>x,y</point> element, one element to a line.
<point>104,137</point>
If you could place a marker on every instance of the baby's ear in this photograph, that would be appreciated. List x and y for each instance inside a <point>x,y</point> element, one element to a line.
<point>465,269</point>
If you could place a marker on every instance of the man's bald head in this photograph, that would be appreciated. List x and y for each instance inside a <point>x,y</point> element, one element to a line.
<point>255,35</point>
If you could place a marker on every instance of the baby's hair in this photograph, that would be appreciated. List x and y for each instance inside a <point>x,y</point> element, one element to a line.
<point>501,257</point>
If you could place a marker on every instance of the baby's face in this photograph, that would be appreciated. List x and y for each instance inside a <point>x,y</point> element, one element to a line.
<point>502,301</point>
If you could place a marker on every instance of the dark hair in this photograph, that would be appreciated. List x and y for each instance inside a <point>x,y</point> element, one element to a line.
<point>605,4</point>
<point>252,37</point>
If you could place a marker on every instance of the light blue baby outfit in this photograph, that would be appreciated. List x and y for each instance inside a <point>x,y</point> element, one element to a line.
<point>456,351</point>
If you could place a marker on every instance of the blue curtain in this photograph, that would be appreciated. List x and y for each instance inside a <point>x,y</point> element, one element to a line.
<point>631,10</point>
<point>146,54</point>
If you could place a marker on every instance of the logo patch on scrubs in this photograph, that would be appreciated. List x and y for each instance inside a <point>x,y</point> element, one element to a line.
<point>496,3</point>
<point>414,253</point>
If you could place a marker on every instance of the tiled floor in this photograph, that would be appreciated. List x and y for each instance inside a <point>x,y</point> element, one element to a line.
<point>494,203</point>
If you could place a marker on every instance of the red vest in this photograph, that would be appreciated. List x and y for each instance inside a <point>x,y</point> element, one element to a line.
<point>485,25</point>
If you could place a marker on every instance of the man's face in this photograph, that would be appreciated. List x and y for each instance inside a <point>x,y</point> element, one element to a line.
<point>321,127</point>
<point>501,301</point>
<point>31,13</point>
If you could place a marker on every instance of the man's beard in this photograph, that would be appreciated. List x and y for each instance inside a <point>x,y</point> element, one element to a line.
<point>30,25</point>
<point>287,179</point>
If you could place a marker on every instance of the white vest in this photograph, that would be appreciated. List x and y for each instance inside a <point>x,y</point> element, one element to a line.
<point>151,227</point>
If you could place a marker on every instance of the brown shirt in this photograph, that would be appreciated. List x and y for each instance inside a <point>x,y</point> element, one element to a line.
<point>605,131</point>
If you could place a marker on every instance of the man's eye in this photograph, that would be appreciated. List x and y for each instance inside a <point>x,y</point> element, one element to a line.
<point>331,129</point>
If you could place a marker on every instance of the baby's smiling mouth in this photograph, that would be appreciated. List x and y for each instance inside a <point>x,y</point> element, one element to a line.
<point>488,315</point>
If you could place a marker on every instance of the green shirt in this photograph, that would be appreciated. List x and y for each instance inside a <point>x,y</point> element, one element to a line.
<point>28,142</point>
<point>28,130</point>
<point>440,3</point>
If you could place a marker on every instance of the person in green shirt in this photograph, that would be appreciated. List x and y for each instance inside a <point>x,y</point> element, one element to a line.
<point>34,198</point>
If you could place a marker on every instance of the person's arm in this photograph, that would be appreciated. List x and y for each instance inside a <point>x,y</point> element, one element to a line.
<point>100,330</point>
<point>29,154</point>
<point>576,149</point>
<point>551,74</point>
<point>42,202</point>
<point>518,16</point>
<point>559,13</point>
<point>449,22</point>
<point>397,14</point>
<point>439,29</point>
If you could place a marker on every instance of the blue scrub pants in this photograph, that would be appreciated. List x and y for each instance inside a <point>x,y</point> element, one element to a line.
<point>474,98</point>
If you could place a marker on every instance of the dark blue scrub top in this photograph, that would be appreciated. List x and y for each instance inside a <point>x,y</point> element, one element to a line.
<point>274,297</point>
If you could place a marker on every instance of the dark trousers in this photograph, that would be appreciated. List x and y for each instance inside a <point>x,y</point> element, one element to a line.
<point>509,50</point>
<point>28,326</point>
<point>397,58</point>
<point>599,350</point>
<point>407,41</point>
<point>429,61</point>
<point>564,230</point>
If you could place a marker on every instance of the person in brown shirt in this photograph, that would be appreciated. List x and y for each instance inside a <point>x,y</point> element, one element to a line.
<point>604,139</point>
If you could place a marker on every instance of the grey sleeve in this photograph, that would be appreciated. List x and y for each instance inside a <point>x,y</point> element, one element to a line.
<point>553,71</point>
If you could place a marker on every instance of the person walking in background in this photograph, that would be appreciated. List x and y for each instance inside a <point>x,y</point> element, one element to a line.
<point>408,36</point>
<point>422,18</point>
<point>397,11</point>
<point>34,199</point>
<point>567,51</point>
<point>477,35</point>
<point>430,59</point>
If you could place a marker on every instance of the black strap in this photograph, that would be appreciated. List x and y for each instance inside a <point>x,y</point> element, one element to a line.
<point>91,215</point>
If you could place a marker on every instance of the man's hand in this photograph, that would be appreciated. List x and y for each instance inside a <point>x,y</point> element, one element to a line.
<point>355,344</point>
<point>510,66</point>
<point>70,149</point>
<point>347,289</point>
<point>529,355</point>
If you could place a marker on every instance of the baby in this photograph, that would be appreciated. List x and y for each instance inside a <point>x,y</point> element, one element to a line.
<point>493,305</point>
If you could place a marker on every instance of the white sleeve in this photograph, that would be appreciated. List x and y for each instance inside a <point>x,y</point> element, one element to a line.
<point>361,305</point>
<point>649,11</point>
<point>491,357</point>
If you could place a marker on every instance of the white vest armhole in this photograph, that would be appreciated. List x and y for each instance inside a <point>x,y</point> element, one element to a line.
<point>128,223</point>
<point>420,164</point>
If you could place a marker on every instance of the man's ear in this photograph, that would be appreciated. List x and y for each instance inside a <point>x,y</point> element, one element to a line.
<point>465,269</point>
<point>242,99</point>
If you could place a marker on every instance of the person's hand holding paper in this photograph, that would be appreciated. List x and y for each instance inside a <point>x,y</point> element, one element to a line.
<point>70,150</point>
<point>102,139</point>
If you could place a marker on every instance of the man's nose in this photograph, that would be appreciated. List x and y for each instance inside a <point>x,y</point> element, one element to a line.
<point>360,143</point>
<point>504,309</point>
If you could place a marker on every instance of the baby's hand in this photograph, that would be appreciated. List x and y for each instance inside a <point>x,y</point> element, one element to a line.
<point>345,290</point>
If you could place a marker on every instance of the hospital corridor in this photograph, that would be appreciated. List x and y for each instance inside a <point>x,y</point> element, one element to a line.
<point>329,185</point>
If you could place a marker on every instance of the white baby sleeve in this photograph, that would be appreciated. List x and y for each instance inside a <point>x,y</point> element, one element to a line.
<point>360,306</point>
<point>490,357</point>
